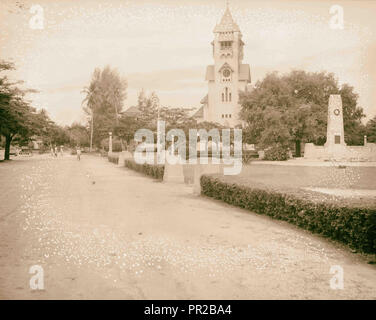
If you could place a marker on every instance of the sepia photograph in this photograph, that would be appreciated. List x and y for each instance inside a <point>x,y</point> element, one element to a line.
<point>187,150</point>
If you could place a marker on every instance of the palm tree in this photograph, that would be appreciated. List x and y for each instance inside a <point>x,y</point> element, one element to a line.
<point>92,100</point>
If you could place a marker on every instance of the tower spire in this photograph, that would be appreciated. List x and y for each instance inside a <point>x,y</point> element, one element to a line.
<point>227,22</point>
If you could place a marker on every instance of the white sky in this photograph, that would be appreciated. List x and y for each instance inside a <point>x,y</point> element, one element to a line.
<point>164,45</point>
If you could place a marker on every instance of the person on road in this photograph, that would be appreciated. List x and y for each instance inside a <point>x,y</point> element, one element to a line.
<point>55,151</point>
<point>78,153</point>
<point>61,150</point>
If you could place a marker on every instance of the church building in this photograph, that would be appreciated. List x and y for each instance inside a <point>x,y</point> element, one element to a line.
<point>227,76</point>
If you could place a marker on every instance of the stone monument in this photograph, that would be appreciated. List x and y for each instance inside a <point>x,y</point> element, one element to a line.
<point>335,147</point>
<point>335,133</point>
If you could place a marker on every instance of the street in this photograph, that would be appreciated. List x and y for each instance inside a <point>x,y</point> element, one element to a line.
<point>105,232</point>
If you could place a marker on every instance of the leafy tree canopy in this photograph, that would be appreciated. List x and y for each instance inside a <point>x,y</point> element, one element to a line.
<point>282,109</point>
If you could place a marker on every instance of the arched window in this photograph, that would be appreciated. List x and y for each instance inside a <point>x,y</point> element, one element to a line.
<point>226,95</point>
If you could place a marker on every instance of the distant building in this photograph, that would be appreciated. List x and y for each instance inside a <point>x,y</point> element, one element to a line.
<point>227,76</point>
<point>132,112</point>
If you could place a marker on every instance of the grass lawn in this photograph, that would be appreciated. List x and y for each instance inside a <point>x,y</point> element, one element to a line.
<point>295,179</point>
<point>303,176</point>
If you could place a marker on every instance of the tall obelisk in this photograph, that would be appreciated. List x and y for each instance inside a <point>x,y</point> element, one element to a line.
<point>335,134</point>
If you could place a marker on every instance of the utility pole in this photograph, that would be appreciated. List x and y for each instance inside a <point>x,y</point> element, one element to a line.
<point>91,130</point>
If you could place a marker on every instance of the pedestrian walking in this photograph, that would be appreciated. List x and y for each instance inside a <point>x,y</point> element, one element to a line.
<point>61,150</point>
<point>55,151</point>
<point>78,153</point>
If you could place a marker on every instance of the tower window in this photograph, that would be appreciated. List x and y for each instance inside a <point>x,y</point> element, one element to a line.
<point>226,95</point>
<point>226,44</point>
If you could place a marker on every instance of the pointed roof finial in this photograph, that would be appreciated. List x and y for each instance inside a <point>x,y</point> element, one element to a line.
<point>227,22</point>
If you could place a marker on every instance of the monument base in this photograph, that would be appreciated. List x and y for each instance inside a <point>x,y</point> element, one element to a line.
<point>340,152</point>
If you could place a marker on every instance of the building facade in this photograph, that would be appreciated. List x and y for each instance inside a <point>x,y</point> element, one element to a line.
<point>227,76</point>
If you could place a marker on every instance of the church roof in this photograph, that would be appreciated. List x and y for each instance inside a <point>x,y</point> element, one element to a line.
<point>244,73</point>
<point>227,23</point>
<point>204,100</point>
<point>199,113</point>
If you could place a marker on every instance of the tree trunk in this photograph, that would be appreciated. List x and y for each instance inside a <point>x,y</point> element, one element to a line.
<point>8,140</point>
<point>91,132</point>
<point>297,148</point>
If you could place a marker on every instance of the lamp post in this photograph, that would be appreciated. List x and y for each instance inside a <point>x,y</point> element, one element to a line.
<point>110,143</point>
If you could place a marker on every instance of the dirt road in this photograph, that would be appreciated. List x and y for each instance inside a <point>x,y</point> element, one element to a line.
<point>100,231</point>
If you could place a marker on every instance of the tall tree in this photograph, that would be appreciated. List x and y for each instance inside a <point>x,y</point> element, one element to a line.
<point>370,130</point>
<point>16,113</point>
<point>104,101</point>
<point>78,135</point>
<point>301,101</point>
<point>148,106</point>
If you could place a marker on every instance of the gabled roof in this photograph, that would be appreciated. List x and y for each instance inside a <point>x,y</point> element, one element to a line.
<point>244,73</point>
<point>210,73</point>
<point>132,111</point>
<point>225,66</point>
<point>227,23</point>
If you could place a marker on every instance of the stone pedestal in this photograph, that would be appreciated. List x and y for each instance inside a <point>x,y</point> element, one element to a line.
<point>173,173</point>
<point>122,156</point>
<point>261,154</point>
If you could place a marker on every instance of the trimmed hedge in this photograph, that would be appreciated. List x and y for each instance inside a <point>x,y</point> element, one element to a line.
<point>113,158</point>
<point>276,153</point>
<point>352,225</point>
<point>155,171</point>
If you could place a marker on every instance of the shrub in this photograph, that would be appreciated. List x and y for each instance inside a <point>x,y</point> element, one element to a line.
<point>276,153</point>
<point>155,171</point>
<point>114,158</point>
<point>248,155</point>
<point>352,225</point>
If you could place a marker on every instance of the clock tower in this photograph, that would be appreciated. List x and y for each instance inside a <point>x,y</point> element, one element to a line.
<point>227,76</point>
